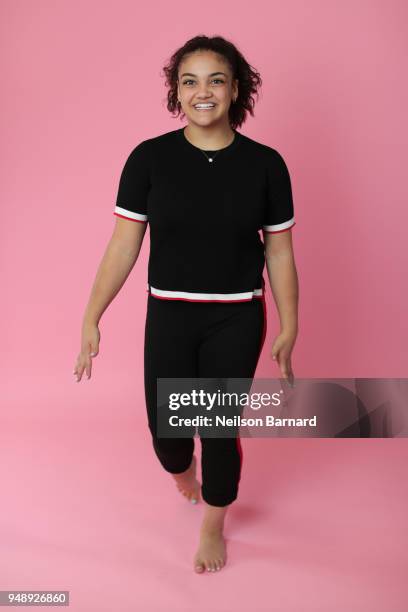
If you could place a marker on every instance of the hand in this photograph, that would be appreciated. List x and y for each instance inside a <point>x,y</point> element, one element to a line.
<point>89,348</point>
<point>281,351</point>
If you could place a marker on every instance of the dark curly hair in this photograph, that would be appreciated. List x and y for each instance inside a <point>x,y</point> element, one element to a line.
<point>249,79</point>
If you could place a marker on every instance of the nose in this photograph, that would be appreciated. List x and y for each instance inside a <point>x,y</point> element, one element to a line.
<point>203,92</point>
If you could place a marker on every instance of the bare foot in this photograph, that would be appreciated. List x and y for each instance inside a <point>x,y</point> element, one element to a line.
<point>188,484</point>
<point>211,554</point>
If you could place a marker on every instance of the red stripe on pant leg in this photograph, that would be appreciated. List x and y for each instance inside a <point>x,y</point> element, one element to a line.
<point>265,318</point>
<point>239,448</point>
<point>238,439</point>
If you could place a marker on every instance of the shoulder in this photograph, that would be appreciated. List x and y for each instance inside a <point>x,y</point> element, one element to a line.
<point>263,151</point>
<point>149,146</point>
<point>160,141</point>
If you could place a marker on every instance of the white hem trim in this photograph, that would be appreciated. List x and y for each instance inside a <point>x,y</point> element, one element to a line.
<point>188,295</point>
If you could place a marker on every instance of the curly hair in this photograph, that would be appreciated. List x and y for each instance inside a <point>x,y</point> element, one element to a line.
<point>249,79</point>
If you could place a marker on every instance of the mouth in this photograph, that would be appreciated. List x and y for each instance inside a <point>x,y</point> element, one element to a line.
<point>204,107</point>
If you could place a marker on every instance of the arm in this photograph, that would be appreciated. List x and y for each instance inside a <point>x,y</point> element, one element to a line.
<point>122,251</point>
<point>283,280</point>
<point>280,263</point>
<point>117,262</point>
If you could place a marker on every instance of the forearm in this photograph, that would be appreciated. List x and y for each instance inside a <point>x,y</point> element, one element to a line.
<point>285,288</point>
<point>112,273</point>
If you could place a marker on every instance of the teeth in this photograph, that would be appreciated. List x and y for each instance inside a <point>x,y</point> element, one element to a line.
<point>204,105</point>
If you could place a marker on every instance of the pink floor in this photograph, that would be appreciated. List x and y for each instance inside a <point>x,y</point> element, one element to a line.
<point>86,507</point>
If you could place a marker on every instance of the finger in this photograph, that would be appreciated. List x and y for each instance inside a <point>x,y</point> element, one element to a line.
<point>284,372</point>
<point>88,368</point>
<point>94,348</point>
<point>76,366</point>
<point>289,372</point>
<point>79,373</point>
<point>77,363</point>
<point>284,366</point>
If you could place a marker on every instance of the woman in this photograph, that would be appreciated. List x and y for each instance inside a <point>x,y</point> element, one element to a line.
<point>206,190</point>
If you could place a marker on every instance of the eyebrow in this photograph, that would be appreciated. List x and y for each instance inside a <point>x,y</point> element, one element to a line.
<point>191,74</point>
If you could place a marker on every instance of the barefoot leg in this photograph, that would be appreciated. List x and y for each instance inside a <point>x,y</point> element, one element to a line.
<point>211,553</point>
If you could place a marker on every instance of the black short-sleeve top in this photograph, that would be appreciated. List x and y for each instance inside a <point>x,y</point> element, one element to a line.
<point>205,216</point>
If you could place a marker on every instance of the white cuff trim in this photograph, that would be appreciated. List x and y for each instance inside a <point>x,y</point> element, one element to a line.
<point>280,226</point>
<point>128,214</point>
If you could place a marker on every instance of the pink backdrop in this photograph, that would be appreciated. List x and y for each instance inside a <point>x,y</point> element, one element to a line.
<point>82,85</point>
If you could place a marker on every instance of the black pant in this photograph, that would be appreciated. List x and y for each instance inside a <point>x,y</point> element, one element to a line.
<point>202,339</point>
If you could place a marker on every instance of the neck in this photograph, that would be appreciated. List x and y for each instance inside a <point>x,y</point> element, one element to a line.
<point>211,137</point>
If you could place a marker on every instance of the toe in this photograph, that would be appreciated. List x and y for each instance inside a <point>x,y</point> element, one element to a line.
<point>199,568</point>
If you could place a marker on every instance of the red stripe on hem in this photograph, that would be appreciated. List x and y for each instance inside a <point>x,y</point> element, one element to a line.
<point>160,297</point>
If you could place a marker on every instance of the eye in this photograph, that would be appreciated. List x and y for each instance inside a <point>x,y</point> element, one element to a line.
<point>192,81</point>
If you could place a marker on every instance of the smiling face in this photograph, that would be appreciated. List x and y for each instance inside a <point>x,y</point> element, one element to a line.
<point>205,78</point>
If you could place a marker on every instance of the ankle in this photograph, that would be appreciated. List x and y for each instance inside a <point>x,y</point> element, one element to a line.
<point>211,532</point>
<point>212,527</point>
